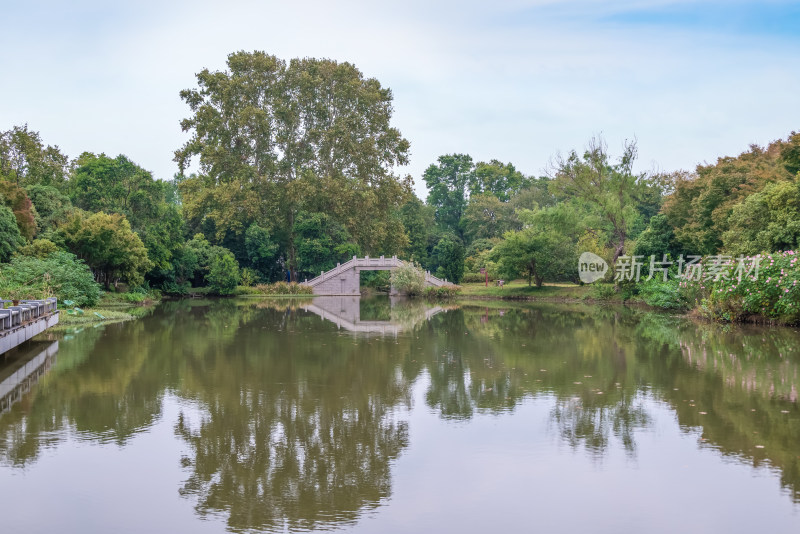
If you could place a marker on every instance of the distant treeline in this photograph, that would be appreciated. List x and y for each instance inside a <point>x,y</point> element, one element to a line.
<point>291,167</point>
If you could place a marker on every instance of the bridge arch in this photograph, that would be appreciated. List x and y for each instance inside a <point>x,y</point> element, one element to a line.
<point>345,278</point>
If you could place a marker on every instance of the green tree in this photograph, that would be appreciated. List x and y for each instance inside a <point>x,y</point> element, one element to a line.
<point>408,279</point>
<point>767,221</point>
<point>275,139</point>
<point>657,239</point>
<point>448,259</point>
<point>38,248</point>
<point>608,191</point>
<point>25,160</point>
<point>223,275</point>
<point>417,220</point>
<point>448,184</point>
<point>51,206</point>
<point>501,180</point>
<point>321,242</point>
<point>10,238</point>
<point>121,186</point>
<point>109,246</point>
<point>486,217</point>
<point>790,154</point>
<point>262,251</point>
<point>15,198</point>
<point>702,203</point>
<point>545,250</point>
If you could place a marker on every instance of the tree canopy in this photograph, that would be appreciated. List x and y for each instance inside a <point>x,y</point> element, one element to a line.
<point>276,138</point>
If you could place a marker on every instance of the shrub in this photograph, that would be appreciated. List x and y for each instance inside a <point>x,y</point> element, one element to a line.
<point>473,278</point>
<point>602,291</point>
<point>773,294</point>
<point>660,294</point>
<point>249,277</point>
<point>283,288</point>
<point>223,276</point>
<point>60,274</point>
<point>408,279</point>
<point>442,292</point>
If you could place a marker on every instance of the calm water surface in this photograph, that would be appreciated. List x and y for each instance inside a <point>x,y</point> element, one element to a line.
<point>379,416</point>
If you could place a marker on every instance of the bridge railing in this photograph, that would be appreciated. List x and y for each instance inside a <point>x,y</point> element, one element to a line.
<point>365,262</point>
<point>432,280</point>
<point>25,311</point>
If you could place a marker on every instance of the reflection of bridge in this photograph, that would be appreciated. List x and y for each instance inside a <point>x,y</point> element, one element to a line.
<point>344,279</point>
<point>17,382</point>
<point>345,312</point>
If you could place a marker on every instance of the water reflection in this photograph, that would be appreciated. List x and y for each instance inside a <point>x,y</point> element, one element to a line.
<point>21,369</point>
<point>375,315</point>
<point>290,421</point>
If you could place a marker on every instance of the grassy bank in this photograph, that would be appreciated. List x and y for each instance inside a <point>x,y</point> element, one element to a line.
<point>519,290</point>
<point>112,308</point>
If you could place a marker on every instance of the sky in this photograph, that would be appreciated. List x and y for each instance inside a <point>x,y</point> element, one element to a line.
<point>519,80</point>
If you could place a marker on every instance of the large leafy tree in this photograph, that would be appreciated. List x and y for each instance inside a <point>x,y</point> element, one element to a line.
<point>274,138</point>
<point>321,242</point>
<point>545,249</point>
<point>108,245</point>
<point>449,183</point>
<point>52,207</point>
<point>25,160</point>
<point>223,275</point>
<point>262,250</point>
<point>486,217</point>
<point>499,179</point>
<point>118,185</point>
<point>15,198</point>
<point>447,259</point>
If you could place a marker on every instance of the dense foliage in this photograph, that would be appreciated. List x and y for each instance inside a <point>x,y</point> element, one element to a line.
<point>59,274</point>
<point>296,170</point>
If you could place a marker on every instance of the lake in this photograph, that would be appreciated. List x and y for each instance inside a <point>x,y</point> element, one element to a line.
<point>379,415</point>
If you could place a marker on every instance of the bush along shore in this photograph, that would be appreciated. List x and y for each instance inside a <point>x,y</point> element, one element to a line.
<point>769,294</point>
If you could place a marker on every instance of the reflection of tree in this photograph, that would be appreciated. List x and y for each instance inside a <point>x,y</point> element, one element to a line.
<point>284,456</point>
<point>296,423</point>
<point>283,439</point>
<point>584,421</point>
<point>739,385</point>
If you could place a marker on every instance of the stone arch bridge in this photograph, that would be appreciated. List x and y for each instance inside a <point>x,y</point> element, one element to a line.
<point>345,278</point>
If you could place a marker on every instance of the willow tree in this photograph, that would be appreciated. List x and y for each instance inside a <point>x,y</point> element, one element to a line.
<point>274,138</point>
